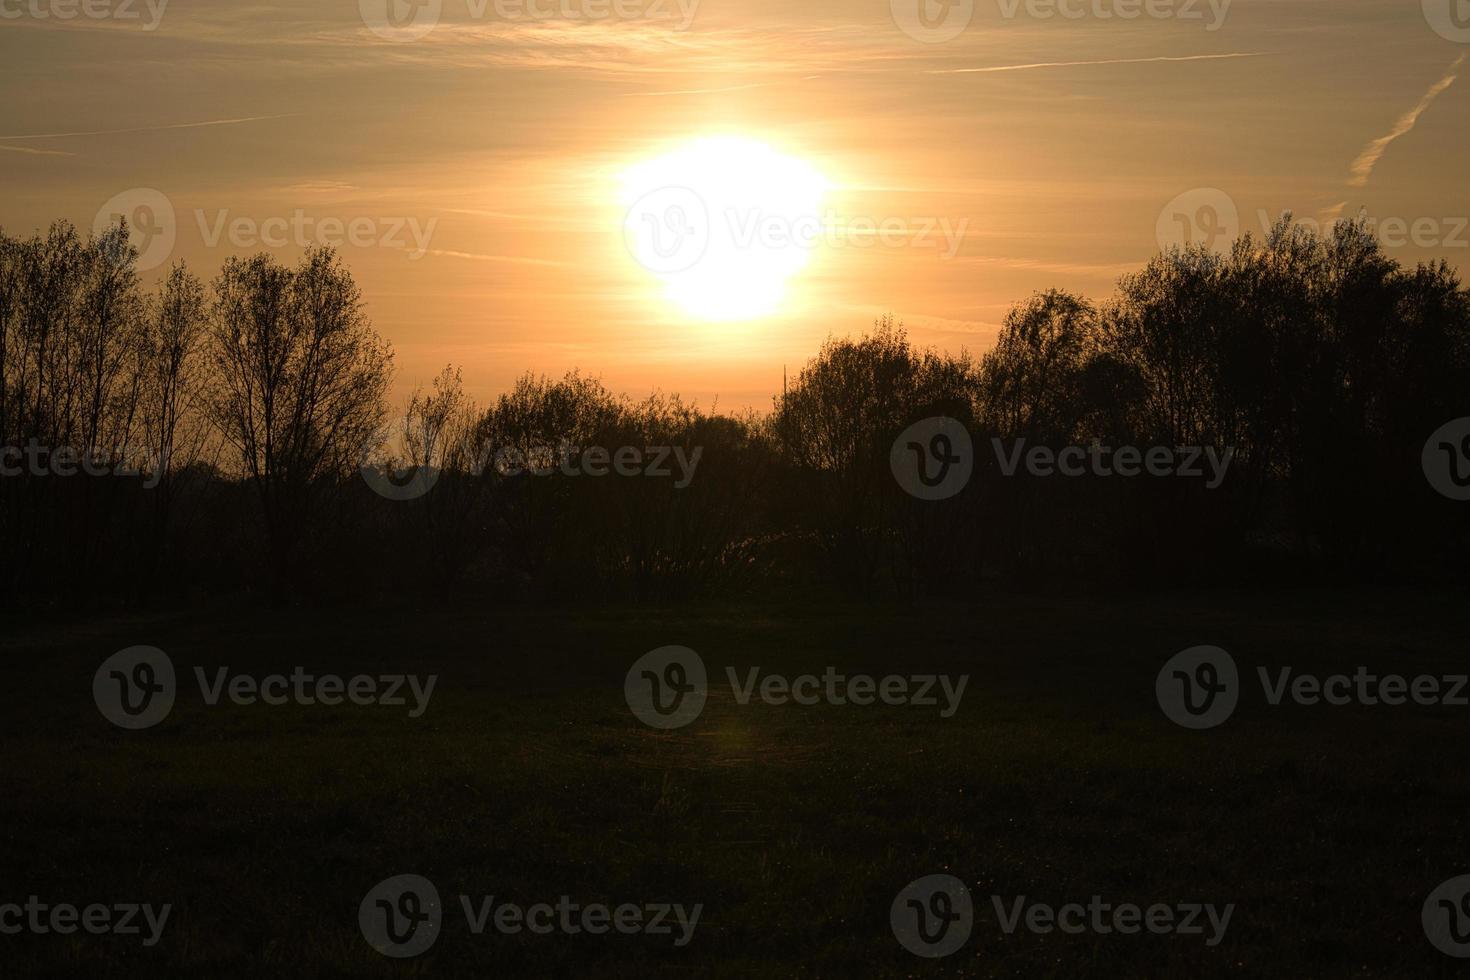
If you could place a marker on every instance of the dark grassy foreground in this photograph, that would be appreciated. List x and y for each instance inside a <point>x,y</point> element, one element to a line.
<point>528,778</point>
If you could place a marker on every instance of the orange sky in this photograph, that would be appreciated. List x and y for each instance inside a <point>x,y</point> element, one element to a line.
<point>501,140</point>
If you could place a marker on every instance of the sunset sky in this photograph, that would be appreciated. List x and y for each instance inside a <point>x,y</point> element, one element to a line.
<point>1056,144</point>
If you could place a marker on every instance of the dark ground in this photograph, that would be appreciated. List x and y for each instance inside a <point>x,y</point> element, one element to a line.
<point>528,778</point>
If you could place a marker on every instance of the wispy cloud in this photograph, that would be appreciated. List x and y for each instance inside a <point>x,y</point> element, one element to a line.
<point>143,129</point>
<point>1362,167</point>
<point>1102,61</point>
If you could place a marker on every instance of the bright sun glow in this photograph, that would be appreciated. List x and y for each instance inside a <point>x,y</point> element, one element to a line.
<point>723,222</point>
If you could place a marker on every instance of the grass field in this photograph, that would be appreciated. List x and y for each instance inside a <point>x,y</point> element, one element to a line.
<point>795,827</point>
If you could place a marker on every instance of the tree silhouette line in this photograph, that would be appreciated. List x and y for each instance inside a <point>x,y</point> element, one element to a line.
<point>247,407</point>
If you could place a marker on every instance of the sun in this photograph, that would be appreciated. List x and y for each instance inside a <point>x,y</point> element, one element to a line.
<point>723,222</point>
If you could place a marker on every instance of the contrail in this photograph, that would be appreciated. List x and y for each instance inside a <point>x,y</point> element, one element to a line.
<point>146,129</point>
<point>1362,167</point>
<point>35,152</point>
<point>1109,61</point>
<point>480,257</point>
<point>726,88</point>
<point>707,91</point>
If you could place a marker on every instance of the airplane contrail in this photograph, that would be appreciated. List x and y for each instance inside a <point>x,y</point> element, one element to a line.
<point>725,88</point>
<point>145,129</point>
<point>35,152</point>
<point>481,257</point>
<point>1362,167</point>
<point>1108,61</point>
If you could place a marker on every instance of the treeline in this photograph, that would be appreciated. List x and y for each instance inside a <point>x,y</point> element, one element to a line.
<point>250,409</point>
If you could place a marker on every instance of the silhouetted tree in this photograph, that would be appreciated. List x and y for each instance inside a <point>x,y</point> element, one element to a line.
<point>299,385</point>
